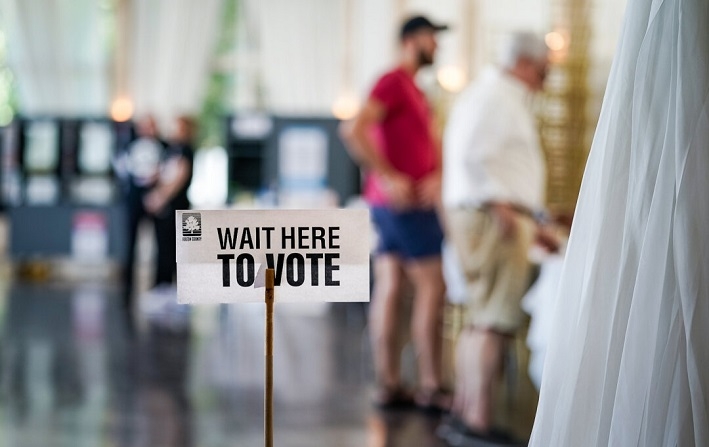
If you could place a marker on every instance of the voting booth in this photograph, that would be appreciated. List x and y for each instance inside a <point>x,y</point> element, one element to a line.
<point>58,187</point>
<point>295,156</point>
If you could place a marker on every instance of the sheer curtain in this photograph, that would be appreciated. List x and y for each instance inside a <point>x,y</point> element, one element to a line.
<point>293,51</point>
<point>61,55</point>
<point>296,51</point>
<point>628,362</point>
<point>58,53</point>
<point>172,49</point>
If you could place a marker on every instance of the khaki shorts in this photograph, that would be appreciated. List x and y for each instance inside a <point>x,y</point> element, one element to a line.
<point>497,271</point>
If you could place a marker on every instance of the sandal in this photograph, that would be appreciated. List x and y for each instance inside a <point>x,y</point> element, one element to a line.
<point>449,426</point>
<point>435,401</point>
<point>393,398</point>
<point>456,432</point>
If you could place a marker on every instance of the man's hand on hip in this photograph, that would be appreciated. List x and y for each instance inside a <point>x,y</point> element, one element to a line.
<point>428,190</point>
<point>506,218</point>
<point>399,189</point>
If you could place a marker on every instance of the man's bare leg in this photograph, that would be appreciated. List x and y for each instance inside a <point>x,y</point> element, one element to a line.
<point>427,318</point>
<point>463,392</point>
<point>383,319</point>
<point>482,354</point>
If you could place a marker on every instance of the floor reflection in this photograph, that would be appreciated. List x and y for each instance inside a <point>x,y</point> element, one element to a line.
<point>72,374</point>
<point>164,368</point>
<point>402,428</point>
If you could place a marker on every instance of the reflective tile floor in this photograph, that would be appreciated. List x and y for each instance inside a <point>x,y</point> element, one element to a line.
<point>72,375</point>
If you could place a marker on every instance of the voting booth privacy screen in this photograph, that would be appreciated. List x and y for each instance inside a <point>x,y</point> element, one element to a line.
<point>317,255</point>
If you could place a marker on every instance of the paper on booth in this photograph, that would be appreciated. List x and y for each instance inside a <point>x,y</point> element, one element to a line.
<point>317,255</point>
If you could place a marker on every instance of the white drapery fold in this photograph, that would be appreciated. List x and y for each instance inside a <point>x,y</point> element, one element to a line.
<point>58,53</point>
<point>304,54</point>
<point>293,52</point>
<point>628,362</point>
<point>61,54</point>
<point>172,51</point>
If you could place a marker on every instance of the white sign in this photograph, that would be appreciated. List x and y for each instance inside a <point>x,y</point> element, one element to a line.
<point>317,255</point>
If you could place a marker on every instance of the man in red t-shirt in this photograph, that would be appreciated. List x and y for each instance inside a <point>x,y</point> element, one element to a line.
<point>393,139</point>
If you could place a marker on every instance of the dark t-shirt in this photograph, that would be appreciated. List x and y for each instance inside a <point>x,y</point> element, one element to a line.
<point>180,150</point>
<point>142,162</point>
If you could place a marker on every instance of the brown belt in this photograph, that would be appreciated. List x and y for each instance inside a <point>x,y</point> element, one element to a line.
<point>519,209</point>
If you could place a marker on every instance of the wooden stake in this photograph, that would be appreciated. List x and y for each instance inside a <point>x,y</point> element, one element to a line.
<point>268,397</point>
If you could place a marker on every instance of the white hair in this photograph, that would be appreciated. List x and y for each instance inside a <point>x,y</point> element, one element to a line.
<point>522,45</point>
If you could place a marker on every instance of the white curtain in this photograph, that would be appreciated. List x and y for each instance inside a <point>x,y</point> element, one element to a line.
<point>300,50</point>
<point>294,51</point>
<point>628,361</point>
<point>295,47</point>
<point>58,53</point>
<point>172,49</point>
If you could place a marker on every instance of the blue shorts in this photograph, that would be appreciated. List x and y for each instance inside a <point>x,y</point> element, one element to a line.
<point>409,234</point>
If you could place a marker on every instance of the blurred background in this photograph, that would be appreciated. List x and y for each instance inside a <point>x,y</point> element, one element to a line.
<point>267,82</point>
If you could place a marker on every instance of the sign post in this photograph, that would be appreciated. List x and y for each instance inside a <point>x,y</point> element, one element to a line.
<point>227,256</point>
<point>268,394</point>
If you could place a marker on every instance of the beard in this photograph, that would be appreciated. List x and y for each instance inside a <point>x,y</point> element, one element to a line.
<point>424,58</point>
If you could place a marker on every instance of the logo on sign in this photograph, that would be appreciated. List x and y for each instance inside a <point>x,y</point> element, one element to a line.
<point>191,226</point>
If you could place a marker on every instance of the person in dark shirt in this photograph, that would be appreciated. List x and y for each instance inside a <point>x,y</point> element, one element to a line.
<point>156,176</point>
<point>138,169</point>
<point>170,194</point>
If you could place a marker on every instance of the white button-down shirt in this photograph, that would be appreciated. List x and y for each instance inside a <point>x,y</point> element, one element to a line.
<point>491,148</point>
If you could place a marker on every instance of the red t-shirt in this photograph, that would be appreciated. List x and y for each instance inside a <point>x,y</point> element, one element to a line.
<point>404,136</point>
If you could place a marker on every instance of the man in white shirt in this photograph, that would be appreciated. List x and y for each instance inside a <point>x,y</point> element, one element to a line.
<point>493,187</point>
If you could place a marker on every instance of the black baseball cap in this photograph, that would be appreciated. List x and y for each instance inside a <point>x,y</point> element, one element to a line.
<point>417,23</point>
